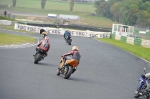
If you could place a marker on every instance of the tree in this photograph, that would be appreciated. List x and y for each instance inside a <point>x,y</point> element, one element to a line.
<point>104,9</point>
<point>129,12</point>
<point>134,10</point>
<point>43,2</point>
<point>146,6</point>
<point>114,11</point>
<point>71,5</point>
<point>97,3</point>
<point>143,18</point>
<point>14,3</point>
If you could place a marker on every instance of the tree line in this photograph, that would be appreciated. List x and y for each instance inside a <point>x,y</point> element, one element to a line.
<point>43,2</point>
<point>128,12</point>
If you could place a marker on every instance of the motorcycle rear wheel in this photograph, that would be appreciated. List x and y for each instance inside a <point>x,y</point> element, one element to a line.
<point>69,43</point>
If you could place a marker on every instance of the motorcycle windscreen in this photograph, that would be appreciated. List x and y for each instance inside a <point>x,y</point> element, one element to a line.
<point>72,62</point>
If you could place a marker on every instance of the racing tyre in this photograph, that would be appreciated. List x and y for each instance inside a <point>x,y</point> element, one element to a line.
<point>69,43</point>
<point>136,96</point>
<point>68,72</point>
<point>37,58</point>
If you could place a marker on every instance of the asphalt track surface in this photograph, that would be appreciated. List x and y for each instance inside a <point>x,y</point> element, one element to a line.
<point>105,72</point>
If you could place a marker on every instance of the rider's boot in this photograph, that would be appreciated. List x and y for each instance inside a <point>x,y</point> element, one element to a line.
<point>74,69</point>
<point>35,53</point>
<point>58,71</point>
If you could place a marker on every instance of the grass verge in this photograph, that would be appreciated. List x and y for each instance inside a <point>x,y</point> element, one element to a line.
<point>137,50</point>
<point>8,39</point>
<point>8,27</point>
<point>5,18</point>
<point>53,5</point>
<point>11,27</point>
<point>86,18</point>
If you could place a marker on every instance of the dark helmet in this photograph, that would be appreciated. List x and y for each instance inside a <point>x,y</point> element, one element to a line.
<point>42,30</point>
<point>143,76</point>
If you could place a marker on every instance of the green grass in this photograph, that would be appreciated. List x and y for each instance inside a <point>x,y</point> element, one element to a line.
<point>136,31</point>
<point>11,27</point>
<point>51,5</point>
<point>8,39</point>
<point>8,27</point>
<point>86,19</point>
<point>137,50</point>
<point>5,18</point>
<point>81,9</point>
<point>147,32</point>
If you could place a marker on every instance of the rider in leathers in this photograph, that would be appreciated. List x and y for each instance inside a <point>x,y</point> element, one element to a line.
<point>73,56</point>
<point>146,78</point>
<point>46,49</point>
<point>67,35</point>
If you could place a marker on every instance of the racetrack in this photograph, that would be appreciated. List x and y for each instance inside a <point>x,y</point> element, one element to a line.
<point>105,72</point>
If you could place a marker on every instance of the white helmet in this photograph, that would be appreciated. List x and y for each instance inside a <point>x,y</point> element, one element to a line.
<point>75,48</point>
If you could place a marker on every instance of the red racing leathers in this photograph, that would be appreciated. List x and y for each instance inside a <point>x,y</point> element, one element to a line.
<point>45,45</point>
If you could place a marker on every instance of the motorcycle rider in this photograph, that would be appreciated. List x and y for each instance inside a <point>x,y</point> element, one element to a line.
<point>73,57</point>
<point>145,78</point>
<point>67,35</point>
<point>45,45</point>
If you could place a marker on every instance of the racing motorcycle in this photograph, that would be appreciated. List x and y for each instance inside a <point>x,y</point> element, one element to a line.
<point>68,69</point>
<point>39,55</point>
<point>68,40</point>
<point>143,92</point>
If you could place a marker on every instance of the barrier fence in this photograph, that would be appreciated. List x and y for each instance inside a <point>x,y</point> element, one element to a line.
<point>60,31</point>
<point>87,33</point>
<point>132,40</point>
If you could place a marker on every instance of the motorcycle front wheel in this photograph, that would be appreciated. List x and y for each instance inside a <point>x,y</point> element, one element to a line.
<point>68,72</point>
<point>37,58</point>
<point>136,95</point>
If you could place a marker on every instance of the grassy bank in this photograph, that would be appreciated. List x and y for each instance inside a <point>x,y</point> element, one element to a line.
<point>5,18</point>
<point>8,27</point>
<point>85,17</point>
<point>137,50</point>
<point>83,10</point>
<point>51,5</point>
<point>8,39</point>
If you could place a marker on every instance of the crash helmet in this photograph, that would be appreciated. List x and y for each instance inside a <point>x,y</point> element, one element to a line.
<point>75,48</point>
<point>143,76</point>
